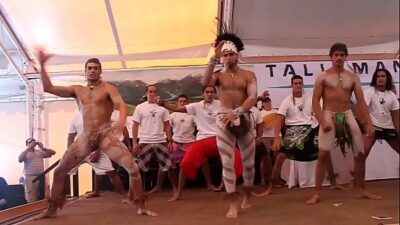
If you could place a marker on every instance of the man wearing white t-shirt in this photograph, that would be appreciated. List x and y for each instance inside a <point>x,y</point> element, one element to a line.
<point>150,121</point>
<point>299,142</point>
<point>383,107</point>
<point>99,161</point>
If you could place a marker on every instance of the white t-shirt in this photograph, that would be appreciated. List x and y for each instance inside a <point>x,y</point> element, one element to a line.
<point>182,127</point>
<point>268,132</point>
<point>255,119</point>
<point>76,125</point>
<point>151,118</point>
<point>299,113</point>
<point>379,106</point>
<point>33,165</point>
<point>205,116</point>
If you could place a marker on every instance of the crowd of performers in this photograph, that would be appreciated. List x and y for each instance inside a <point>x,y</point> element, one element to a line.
<point>306,127</point>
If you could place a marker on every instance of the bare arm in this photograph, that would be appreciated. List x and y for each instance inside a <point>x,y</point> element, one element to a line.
<point>174,107</point>
<point>22,156</point>
<point>71,138</point>
<point>251,93</point>
<point>119,104</point>
<point>259,129</point>
<point>168,130</point>
<point>125,133</point>
<point>363,109</point>
<point>135,133</point>
<point>277,130</point>
<point>47,85</point>
<point>316,97</point>
<point>395,118</point>
<point>210,78</point>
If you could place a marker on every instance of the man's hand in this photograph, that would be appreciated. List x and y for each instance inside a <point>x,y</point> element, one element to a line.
<point>277,143</point>
<point>43,57</point>
<point>94,156</point>
<point>135,148</point>
<point>218,52</point>
<point>326,127</point>
<point>229,118</point>
<point>117,129</point>
<point>40,145</point>
<point>369,129</point>
<point>170,146</point>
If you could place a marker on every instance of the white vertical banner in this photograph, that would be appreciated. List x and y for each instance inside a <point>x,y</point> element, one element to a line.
<point>275,77</point>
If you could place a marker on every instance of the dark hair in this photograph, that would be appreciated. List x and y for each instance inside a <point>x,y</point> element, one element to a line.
<point>338,47</point>
<point>230,37</point>
<point>389,79</point>
<point>29,140</point>
<point>93,60</point>
<point>205,87</point>
<point>296,77</point>
<point>151,85</point>
<point>182,96</point>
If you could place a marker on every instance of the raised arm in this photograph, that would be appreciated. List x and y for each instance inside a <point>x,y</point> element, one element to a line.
<point>47,85</point>
<point>172,107</point>
<point>210,78</point>
<point>22,156</point>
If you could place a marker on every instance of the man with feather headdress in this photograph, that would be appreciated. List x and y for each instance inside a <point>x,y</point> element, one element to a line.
<point>237,91</point>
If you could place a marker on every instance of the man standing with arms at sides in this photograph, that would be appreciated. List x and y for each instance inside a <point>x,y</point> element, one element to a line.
<point>335,86</point>
<point>383,107</point>
<point>150,121</point>
<point>237,89</point>
<point>96,102</point>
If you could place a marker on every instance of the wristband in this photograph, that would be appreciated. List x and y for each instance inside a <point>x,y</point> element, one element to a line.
<point>213,61</point>
<point>238,111</point>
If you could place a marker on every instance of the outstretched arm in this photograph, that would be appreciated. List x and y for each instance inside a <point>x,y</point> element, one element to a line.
<point>47,85</point>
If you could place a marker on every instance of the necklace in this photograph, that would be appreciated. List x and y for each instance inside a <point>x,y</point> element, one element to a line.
<point>91,88</point>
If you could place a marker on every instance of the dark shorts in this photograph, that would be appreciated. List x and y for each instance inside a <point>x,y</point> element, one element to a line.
<point>385,134</point>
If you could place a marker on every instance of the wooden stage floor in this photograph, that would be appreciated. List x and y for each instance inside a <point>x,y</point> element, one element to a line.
<point>201,207</point>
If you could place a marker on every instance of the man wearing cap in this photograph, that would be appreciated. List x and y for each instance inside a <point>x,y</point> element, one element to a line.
<point>237,90</point>
<point>33,166</point>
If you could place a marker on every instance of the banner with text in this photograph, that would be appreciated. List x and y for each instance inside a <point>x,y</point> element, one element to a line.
<point>275,77</point>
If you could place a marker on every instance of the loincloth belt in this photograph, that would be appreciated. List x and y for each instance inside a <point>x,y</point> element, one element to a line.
<point>94,140</point>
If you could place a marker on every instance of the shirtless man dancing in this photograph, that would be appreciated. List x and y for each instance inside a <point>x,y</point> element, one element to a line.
<point>237,89</point>
<point>336,119</point>
<point>96,102</point>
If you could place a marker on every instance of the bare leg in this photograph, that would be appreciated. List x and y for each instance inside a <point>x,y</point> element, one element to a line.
<point>359,175</point>
<point>266,175</point>
<point>323,158</point>
<point>173,177</point>
<point>96,192</point>
<point>160,182</point>
<point>332,176</point>
<point>72,157</point>
<point>181,185</point>
<point>116,180</point>
<point>207,176</point>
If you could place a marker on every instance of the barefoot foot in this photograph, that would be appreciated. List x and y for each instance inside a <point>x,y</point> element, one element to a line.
<point>246,202</point>
<point>146,212</point>
<point>174,198</point>
<point>313,200</point>
<point>339,187</point>
<point>368,195</point>
<point>47,213</point>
